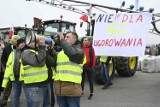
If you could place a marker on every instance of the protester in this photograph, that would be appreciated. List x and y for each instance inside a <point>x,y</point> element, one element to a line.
<point>88,67</point>
<point>67,82</point>
<point>35,74</point>
<point>51,58</point>
<point>12,73</point>
<point>6,52</point>
<point>1,67</point>
<point>105,66</point>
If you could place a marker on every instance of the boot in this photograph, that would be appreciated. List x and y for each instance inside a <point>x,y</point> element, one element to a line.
<point>90,97</point>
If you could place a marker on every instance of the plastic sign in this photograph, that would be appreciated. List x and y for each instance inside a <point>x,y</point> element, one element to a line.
<point>121,34</point>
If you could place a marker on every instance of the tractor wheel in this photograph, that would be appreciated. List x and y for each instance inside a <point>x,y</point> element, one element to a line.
<point>99,79</point>
<point>126,66</point>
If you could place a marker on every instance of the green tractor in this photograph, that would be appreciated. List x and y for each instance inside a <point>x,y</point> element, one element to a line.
<point>18,30</point>
<point>51,27</point>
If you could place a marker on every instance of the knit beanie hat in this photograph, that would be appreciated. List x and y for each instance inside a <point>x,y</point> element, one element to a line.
<point>21,40</point>
<point>14,37</point>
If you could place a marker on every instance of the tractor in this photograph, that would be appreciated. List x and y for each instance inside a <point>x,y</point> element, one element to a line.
<point>18,30</point>
<point>49,28</point>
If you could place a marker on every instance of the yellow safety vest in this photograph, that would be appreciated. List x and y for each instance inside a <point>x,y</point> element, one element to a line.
<point>67,70</point>
<point>9,74</point>
<point>104,59</point>
<point>32,74</point>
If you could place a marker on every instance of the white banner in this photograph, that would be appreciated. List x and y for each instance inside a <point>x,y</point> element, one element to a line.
<point>121,34</point>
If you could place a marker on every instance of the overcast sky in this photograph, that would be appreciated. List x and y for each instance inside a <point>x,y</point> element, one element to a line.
<point>21,12</point>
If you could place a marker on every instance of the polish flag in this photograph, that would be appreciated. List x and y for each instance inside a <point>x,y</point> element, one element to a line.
<point>11,32</point>
<point>84,18</point>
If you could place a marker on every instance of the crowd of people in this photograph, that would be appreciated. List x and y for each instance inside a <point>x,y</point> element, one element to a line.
<point>46,76</point>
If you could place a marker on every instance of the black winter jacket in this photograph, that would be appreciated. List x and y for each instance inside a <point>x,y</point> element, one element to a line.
<point>7,50</point>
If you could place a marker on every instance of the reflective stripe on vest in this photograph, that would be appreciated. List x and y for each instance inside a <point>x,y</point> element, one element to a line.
<point>69,72</point>
<point>69,63</point>
<point>35,73</point>
<point>66,70</point>
<point>6,78</point>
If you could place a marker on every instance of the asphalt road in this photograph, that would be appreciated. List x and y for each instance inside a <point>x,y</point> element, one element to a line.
<point>141,90</point>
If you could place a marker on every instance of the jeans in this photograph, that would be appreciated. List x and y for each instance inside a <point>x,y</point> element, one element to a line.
<point>105,73</point>
<point>16,90</point>
<point>38,96</point>
<point>65,101</point>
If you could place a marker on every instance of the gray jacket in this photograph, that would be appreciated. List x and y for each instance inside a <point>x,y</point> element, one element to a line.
<point>74,52</point>
<point>16,68</point>
<point>30,58</point>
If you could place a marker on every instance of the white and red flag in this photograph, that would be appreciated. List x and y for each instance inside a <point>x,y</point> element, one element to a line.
<point>11,32</point>
<point>84,18</point>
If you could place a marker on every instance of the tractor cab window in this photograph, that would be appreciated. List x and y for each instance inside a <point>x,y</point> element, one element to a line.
<point>51,29</point>
<point>4,34</point>
<point>66,27</point>
<point>21,33</point>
